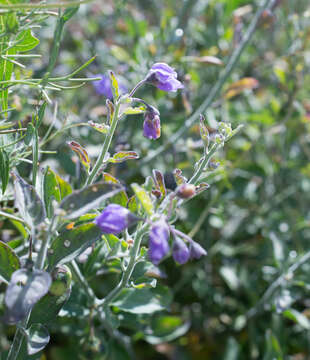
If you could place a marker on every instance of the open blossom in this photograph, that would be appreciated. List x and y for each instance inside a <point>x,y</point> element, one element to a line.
<point>164,77</point>
<point>180,251</point>
<point>114,219</point>
<point>103,86</point>
<point>196,251</point>
<point>151,125</point>
<point>158,245</point>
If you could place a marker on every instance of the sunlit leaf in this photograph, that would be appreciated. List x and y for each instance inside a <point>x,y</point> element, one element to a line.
<point>144,198</point>
<point>9,261</point>
<point>123,156</point>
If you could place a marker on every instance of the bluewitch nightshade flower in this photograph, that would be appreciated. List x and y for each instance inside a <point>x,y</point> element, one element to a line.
<point>151,125</point>
<point>180,251</point>
<point>158,245</point>
<point>114,219</point>
<point>196,251</point>
<point>164,77</point>
<point>103,86</point>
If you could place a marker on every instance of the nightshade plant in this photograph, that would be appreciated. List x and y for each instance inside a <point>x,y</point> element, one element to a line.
<point>130,227</point>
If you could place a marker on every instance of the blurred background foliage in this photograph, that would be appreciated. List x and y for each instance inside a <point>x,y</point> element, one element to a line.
<point>254,221</point>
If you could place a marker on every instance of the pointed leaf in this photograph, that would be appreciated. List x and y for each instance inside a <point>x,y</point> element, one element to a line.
<point>123,156</point>
<point>24,290</point>
<point>160,182</point>
<point>4,169</point>
<point>114,84</point>
<point>144,198</point>
<point>72,242</point>
<point>102,128</point>
<point>89,198</point>
<point>28,201</point>
<point>9,261</point>
<point>81,152</point>
<point>134,111</point>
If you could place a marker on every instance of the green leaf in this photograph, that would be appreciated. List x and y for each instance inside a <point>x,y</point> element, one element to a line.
<point>24,290</point>
<point>120,198</point>
<point>123,156</point>
<point>102,128</point>
<point>25,41</point>
<point>298,317</point>
<point>114,84</point>
<point>29,134</point>
<point>134,111</point>
<point>48,307</point>
<point>89,198</point>
<point>143,301</point>
<point>81,152</point>
<point>37,338</point>
<point>28,202</point>
<point>71,242</point>
<point>69,12</point>
<point>4,169</point>
<point>164,328</point>
<point>9,261</point>
<point>144,198</point>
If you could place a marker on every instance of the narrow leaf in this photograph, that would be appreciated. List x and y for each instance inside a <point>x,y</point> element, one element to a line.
<point>9,261</point>
<point>144,198</point>
<point>123,156</point>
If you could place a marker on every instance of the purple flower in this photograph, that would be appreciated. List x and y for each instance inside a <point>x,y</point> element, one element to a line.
<point>103,86</point>
<point>180,251</point>
<point>151,125</point>
<point>196,251</point>
<point>158,245</point>
<point>164,77</point>
<point>114,219</point>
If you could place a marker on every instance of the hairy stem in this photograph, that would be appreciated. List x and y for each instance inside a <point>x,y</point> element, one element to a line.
<point>127,273</point>
<point>106,146</point>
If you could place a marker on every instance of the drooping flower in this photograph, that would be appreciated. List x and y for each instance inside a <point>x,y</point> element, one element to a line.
<point>164,77</point>
<point>151,125</point>
<point>196,251</point>
<point>103,86</point>
<point>158,245</point>
<point>114,219</point>
<point>180,251</point>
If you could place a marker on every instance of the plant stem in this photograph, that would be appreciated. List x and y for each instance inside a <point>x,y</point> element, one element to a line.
<point>106,146</point>
<point>77,272</point>
<point>204,163</point>
<point>44,6</point>
<point>232,62</point>
<point>127,273</point>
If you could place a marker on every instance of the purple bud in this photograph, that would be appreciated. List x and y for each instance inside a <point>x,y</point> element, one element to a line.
<point>158,245</point>
<point>114,219</point>
<point>180,251</point>
<point>196,251</point>
<point>151,125</point>
<point>103,86</point>
<point>164,77</point>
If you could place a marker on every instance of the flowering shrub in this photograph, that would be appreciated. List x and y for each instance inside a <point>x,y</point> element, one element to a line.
<point>90,224</point>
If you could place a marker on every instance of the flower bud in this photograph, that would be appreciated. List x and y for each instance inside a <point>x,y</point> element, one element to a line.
<point>186,191</point>
<point>180,251</point>
<point>114,219</point>
<point>196,251</point>
<point>158,245</point>
<point>151,125</point>
<point>164,77</point>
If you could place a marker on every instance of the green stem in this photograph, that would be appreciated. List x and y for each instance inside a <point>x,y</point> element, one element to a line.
<point>106,146</point>
<point>127,273</point>
<point>204,163</point>
<point>232,62</point>
<point>82,281</point>
<point>44,6</point>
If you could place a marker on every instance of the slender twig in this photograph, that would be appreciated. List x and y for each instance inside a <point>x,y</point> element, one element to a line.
<point>54,5</point>
<point>279,281</point>
<point>12,217</point>
<point>106,145</point>
<point>82,281</point>
<point>232,62</point>
<point>127,273</point>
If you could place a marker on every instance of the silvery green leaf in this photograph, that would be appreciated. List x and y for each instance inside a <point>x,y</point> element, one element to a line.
<point>24,290</point>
